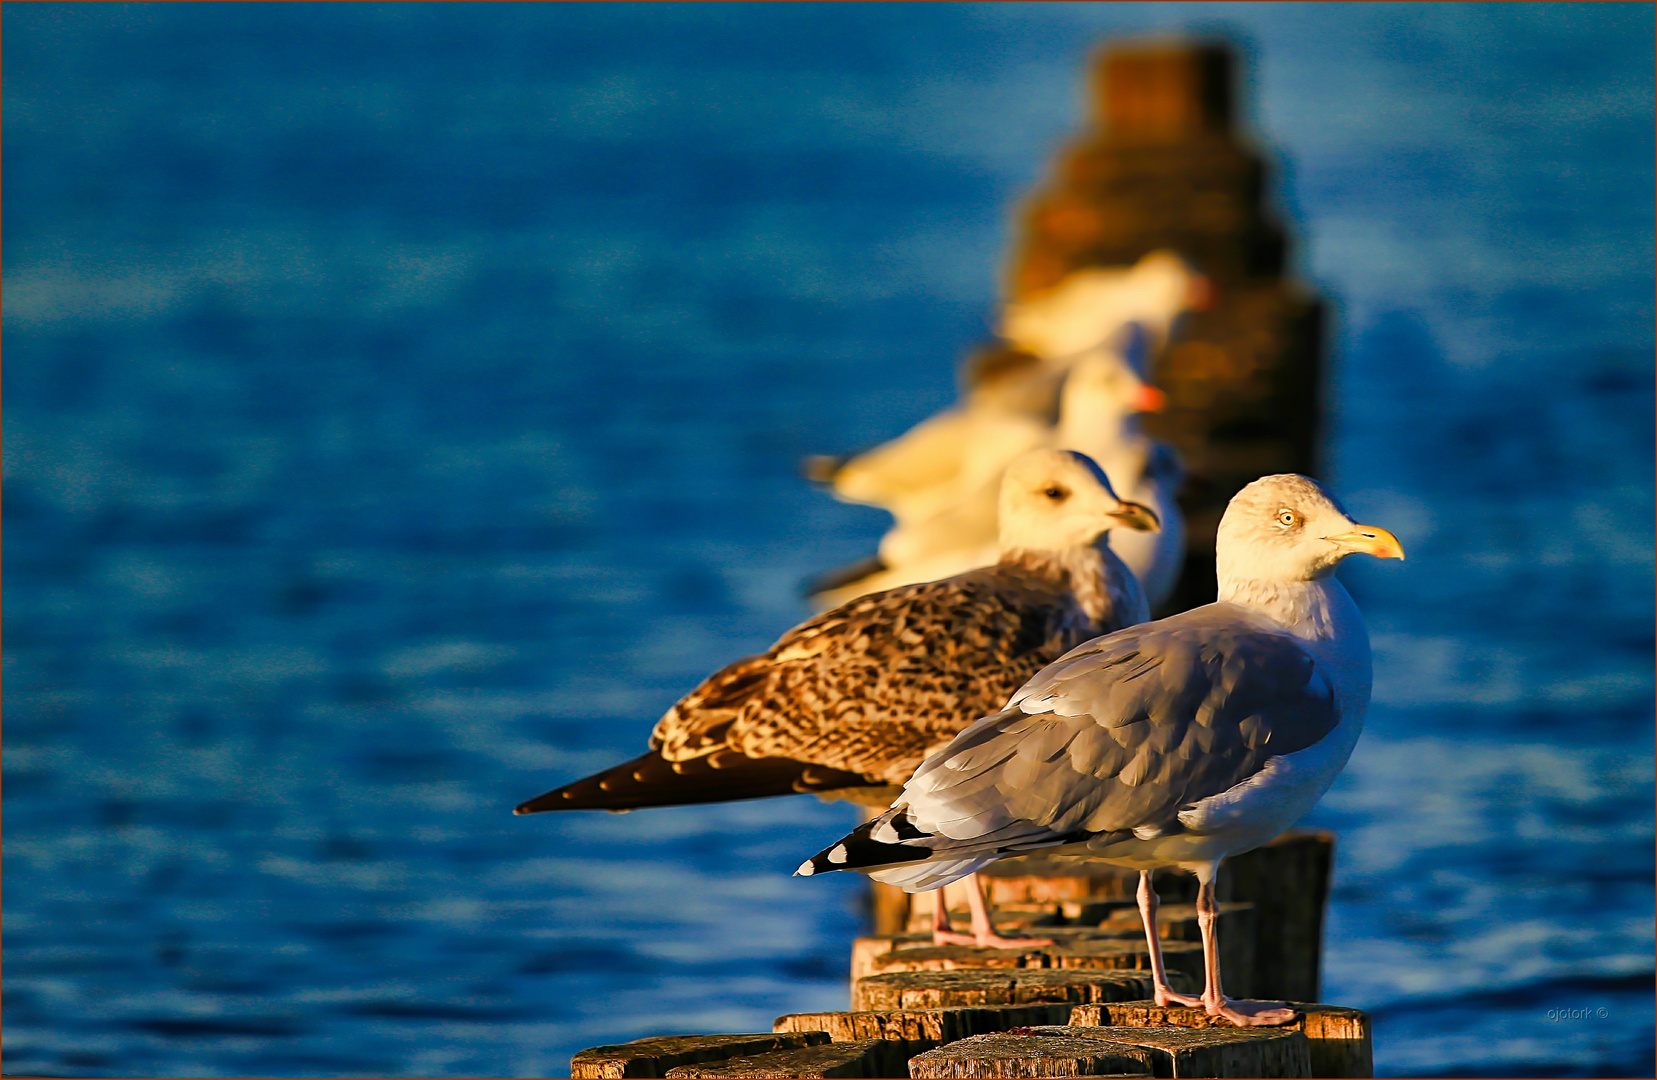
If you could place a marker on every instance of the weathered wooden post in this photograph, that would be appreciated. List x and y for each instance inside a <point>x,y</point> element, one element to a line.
<point>1338,1039</point>
<point>1120,1051</point>
<point>1163,166</point>
<point>654,1057</point>
<point>1271,927</point>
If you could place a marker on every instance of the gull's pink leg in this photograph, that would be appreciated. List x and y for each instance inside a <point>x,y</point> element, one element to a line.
<point>1159,977</point>
<point>983,932</point>
<point>941,933</point>
<point>1241,1013</point>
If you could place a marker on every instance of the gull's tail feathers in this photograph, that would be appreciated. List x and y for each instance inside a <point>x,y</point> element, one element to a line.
<point>858,850</point>
<point>893,849</point>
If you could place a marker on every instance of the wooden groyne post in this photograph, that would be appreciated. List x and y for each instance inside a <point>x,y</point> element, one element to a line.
<point>1078,1007</point>
<point>1163,165</point>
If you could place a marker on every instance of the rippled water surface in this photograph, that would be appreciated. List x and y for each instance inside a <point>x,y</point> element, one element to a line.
<point>402,410</point>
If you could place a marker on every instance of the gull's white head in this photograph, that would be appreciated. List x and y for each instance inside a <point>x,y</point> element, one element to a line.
<point>1290,528</point>
<point>1052,499</point>
<point>1102,388</point>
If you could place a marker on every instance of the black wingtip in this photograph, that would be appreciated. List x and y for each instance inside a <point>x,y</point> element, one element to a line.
<point>857,851</point>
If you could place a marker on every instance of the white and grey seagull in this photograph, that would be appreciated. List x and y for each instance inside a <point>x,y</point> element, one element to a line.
<point>1178,742</point>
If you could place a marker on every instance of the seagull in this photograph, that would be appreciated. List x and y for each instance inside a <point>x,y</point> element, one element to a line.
<point>1010,400</point>
<point>1103,398</point>
<point>1092,303</point>
<point>1101,418</point>
<point>938,462</point>
<point>849,703</point>
<point>1178,742</point>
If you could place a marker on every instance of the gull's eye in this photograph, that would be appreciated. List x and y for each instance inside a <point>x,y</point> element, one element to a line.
<point>1288,518</point>
<point>1055,493</point>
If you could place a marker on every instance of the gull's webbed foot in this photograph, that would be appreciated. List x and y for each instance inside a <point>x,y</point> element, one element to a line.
<point>991,940</point>
<point>1166,996</point>
<point>1250,1013</point>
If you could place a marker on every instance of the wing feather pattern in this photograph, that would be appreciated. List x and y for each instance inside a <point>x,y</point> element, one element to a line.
<point>862,691</point>
<point>1116,737</point>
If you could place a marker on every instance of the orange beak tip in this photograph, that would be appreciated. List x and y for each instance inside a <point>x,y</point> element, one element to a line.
<point>1371,540</point>
<point>1151,400</point>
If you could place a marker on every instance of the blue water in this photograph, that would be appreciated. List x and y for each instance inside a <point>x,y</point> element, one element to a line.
<point>402,409</point>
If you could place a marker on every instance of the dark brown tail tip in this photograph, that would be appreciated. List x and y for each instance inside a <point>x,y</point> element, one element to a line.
<point>540,803</point>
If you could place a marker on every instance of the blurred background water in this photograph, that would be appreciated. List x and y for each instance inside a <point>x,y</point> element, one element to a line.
<point>403,407</point>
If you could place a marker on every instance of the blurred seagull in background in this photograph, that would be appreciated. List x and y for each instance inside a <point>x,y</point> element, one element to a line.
<point>1011,399</point>
<point>1104,397</point>
<point>849,703</point>
<point>1093,304</point>
<point>1173,743</point>
<point>940,461</point>
<point>1099,412</point>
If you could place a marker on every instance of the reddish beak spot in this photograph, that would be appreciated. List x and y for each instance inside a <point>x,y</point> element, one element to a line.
<point>1150,399</point>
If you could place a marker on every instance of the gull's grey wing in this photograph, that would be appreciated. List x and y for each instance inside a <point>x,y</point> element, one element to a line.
<point>1122,733</point>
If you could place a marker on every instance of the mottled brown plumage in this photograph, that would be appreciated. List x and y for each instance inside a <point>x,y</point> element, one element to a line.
<point>856,697</point>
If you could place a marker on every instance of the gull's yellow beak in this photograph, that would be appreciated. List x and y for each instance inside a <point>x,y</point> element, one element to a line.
<point>1370,540</point>
<point>1141,518</point>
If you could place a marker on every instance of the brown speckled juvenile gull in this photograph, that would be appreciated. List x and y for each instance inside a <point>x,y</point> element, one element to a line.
<point>1173,743</point>
<point>852,701</point>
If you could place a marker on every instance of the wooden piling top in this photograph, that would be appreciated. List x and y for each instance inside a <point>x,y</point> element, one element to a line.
<point>1338,1038</point>
<point>1163,92</point>
<point>1043,1051</point>
<point>1018,986</point>
<point>1073,947</point>
<point>1213,1051</point>
<point>863,1058</point>
<point>922,1029</point>
<point>655,1056</point>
